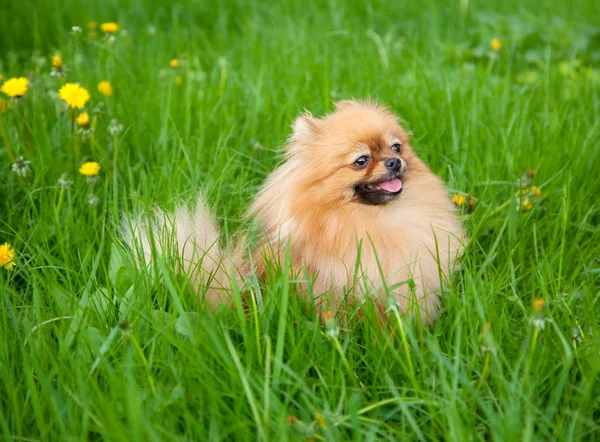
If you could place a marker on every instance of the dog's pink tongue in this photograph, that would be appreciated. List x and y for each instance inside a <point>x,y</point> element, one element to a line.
<point>393,185</point>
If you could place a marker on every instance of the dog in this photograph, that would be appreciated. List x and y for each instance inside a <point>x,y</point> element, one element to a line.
<point>352,208</point>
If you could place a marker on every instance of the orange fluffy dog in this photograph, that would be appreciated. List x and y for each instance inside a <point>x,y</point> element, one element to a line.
<point>353,204</point>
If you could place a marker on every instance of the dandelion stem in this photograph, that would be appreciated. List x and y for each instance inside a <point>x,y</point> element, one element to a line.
<point>95,146</point>
<point>486,370</point>
<point>115,150</point>
<point>409,363</point>
<point>9,151</point>
<point>72,118</point>
<point>61,198</point>
<point>500,207</point>
<point>77,143</point>
<point>351,374</point>
<point>25,128</point>
<point>504,204</point>
<point>531,352</point>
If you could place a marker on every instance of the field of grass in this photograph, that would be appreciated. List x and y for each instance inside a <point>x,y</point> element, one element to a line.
<point>92,349</point>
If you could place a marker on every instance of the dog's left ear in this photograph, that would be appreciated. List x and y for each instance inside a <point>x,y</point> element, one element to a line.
<point>306,128</point>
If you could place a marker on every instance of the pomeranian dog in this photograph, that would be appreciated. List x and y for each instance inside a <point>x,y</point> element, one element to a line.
<point>358,214</point>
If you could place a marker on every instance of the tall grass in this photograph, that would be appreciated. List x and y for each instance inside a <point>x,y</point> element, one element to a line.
<point>94,349</point>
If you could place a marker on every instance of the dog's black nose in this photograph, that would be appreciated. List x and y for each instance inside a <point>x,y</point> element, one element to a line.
<point>393,164</point>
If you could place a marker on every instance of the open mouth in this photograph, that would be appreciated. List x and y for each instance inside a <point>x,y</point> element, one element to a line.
<point>380,192</point>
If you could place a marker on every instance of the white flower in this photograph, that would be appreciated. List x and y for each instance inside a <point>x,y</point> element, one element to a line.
<point>115,128</point>
<point>488,348</point>
<point>91,180</point>
<point>332,333</point>
<point>76,31</point>
<point>98,109</point>
<point>60,72</point>
<point>93,200</point>
<point>538,322</point>
<point>86,133</point>
<point>21,167</point>
<point>64,181</point>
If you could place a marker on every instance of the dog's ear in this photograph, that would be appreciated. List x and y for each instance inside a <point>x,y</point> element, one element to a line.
<point>306,128</point>
<point>346,104</point>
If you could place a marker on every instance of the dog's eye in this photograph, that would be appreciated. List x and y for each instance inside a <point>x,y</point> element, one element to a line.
<point>362,161</point>
<point>396,147</point>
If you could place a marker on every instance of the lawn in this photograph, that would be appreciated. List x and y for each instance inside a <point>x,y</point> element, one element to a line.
<point>503,100</point>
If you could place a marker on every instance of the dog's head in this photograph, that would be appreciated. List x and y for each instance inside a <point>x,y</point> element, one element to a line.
<point>358,154</point>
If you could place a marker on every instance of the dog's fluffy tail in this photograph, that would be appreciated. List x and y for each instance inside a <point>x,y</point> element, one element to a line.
<point>192,237</point>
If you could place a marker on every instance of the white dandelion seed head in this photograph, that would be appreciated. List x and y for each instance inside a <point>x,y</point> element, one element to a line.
<point>21,167</point>
<point>86,133</point>
<point>539,322</point>
<point>64,180</point>
<point>487,348</point>
<point>91,180</point>
<point>332,331</point>
<point>98,109</point>
<point>60,72</point>
<point>115,127</point>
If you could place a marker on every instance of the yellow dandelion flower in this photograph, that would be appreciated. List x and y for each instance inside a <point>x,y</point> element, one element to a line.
<point>536,191</point>
<point>174,63</point>
<point>527,206</point>
<point>74,95</point>
<point>179,80</point>
<point>92,25</point>
<point>105,88</point>
<point>109,28</point>
<point>83,119</point>
<point>291,420</point>
<point>320,420</point>
<point>15,87</point>
<point>495,44</point>
<point>530,173</point>
<point>57,61</point>
<point>91,168</point>
<point>7,256</point>
<point>539,304</point>
<point>458,200</point>
<point>525,191</point>
<point>328,315</point>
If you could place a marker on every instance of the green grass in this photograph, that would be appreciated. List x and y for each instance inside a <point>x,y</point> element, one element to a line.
<point>92,349</point>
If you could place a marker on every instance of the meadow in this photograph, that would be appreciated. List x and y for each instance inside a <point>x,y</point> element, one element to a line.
<point>502,98</point>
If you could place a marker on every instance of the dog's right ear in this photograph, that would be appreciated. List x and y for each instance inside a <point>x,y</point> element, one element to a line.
<point>305,128</point>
